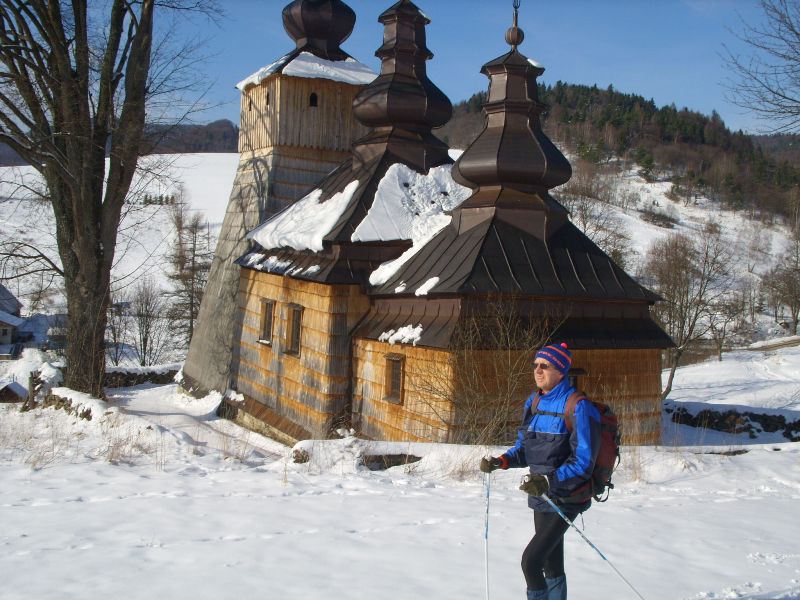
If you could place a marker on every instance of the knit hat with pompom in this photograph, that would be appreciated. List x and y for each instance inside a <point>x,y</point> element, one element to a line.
<point>558,355</point>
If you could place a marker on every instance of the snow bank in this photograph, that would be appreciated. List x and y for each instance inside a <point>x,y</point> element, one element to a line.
<point>312,67</point>
<point>31,360</point>
<point>82,402</point>
<point>350,455</point>
<point>303,224</point>
<point>771,342</point>
<point>159,369</point>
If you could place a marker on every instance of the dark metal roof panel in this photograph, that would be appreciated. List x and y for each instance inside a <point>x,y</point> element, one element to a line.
<point>437,319</point>
<point>613,333</point>
<point>495,256</point>
<point>449,256</point>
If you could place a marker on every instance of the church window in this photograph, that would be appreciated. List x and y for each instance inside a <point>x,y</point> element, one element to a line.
<point>395,375</point>
<point>313,100</point>
<point>295,329</point>
<point>267,319</point>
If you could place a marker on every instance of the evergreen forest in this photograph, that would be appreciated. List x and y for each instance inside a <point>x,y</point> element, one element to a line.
<point>697,152</point>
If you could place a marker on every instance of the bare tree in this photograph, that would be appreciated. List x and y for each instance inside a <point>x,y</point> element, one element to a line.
<point>481,393</point>
<point>767,80</point>
<point>118,329</point>
<point>190,261</point>
<point>782,284</point>
<point>597,220</point>
<point>74,87</point>
<point>723,314</point>
<point>691,275</point>
<point>149,321</point>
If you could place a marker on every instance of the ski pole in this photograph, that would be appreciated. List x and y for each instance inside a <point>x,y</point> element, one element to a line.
<point>488,485</point>
<point>571,524</point>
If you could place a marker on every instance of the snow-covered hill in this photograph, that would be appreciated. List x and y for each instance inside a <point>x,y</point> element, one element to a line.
<point>156,497</point>
<point>203,180</point>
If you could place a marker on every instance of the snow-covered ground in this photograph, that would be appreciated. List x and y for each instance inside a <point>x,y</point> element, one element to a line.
<point>156,497</point>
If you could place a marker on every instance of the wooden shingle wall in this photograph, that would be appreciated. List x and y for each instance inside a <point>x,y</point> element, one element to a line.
<point>423,413</point>
<point>275,177</point>
<point>289,119</point>
<point>628,380</point>
<point>312,389</point>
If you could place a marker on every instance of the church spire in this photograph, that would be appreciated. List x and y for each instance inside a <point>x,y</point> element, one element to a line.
<point>319,26</point>
<point>512,151</point>
<point>402,105</point>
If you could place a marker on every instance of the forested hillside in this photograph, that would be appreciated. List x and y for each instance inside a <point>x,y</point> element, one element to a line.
<point>697,152</point>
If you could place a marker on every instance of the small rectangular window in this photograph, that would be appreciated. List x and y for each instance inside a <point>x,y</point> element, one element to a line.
<point>295,329</point>
<point>395,375</point>
<point>267,319</point>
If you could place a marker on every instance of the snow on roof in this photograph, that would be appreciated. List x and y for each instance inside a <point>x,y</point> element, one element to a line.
<point>305,223</point>
<point>307,65</point>
<point>10,319</point>
<point>18,389</point>
<point>536,63</point>
<point>426,287</point>
<point>455,153</point>
<point>404,335</point>
<point>406,199</point>
<point>412,206</point>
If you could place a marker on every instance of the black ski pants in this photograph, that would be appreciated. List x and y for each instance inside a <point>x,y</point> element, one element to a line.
<point>544,555</point>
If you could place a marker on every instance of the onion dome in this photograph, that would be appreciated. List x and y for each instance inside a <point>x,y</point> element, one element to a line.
<point>512,150</point>
<point>402,94</point>
<point>319,26</point>
<point>402,105</point>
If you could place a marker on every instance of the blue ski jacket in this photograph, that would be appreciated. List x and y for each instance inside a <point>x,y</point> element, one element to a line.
<point>547,447</point>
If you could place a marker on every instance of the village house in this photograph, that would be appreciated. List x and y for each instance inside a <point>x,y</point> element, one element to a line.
<point>8,302</point>
<point>10,323</point>
<point>12,391</point>
<point>406,294</point>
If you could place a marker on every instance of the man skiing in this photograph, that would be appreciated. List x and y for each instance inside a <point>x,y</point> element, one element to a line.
<point>561,459</point>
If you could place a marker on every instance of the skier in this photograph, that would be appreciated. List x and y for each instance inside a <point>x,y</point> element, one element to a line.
<point>560,464</point>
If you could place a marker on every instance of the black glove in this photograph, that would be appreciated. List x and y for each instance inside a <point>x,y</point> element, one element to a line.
<point>490,464</point>
<point>535,485</point>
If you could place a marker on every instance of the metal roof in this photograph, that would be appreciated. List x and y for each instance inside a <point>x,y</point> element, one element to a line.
<point>497,256</point>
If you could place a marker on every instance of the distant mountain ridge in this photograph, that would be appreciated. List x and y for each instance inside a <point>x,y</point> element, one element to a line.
<point>218,136</point>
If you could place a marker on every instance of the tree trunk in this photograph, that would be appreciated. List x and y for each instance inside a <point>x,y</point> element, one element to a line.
<point>87,305</point>
<point>675,361</point>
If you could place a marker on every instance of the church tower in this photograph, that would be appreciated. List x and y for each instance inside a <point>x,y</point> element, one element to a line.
<point>296,126</point>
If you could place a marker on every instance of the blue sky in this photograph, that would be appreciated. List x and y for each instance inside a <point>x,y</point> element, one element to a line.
<point>667,50</point>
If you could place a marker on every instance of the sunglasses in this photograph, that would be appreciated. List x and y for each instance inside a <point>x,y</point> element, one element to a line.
<point>542,366</point>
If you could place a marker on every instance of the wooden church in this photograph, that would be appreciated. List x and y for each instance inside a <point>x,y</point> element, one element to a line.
<point>296,125</point>
<point>404,294</point>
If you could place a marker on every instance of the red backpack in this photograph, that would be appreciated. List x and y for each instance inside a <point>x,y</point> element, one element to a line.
<point>607,455</point>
